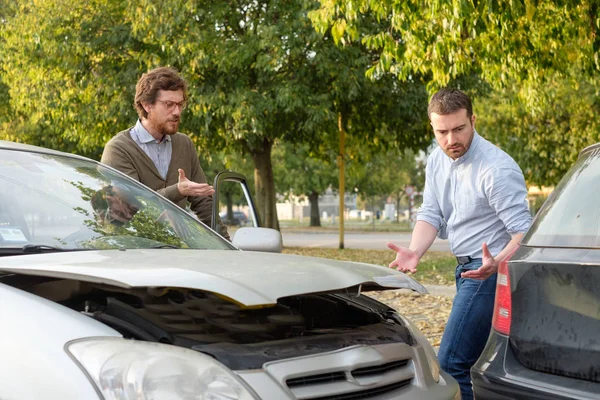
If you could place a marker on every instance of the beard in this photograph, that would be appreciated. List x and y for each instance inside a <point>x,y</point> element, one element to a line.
<point>170,126</point>
<point>455,151</point>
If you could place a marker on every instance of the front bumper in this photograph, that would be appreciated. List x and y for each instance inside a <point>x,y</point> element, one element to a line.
<point>391,371</point>
<point>498,375</point>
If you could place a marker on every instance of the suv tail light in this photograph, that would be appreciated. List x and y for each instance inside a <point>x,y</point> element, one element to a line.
<point>503,303</point>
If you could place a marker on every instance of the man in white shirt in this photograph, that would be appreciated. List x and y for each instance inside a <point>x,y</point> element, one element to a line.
<point>474,196</point>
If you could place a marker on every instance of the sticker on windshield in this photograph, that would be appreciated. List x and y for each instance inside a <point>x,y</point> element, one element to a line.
<point>12,235</point>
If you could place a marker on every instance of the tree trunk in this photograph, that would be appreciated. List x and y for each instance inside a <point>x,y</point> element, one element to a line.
<point>398,198</point>
<point>229,203</point>
<point>265,185</point>
<point>313,199</point>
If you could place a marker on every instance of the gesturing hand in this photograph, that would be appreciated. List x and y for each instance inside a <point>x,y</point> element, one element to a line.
<point>488,266</point>
<point>406,259</point>
<point>190,188</point>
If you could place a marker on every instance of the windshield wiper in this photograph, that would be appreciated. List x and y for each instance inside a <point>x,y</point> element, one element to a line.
<point>165,246</point>
<point>41,248</point>
<point>33,249</point>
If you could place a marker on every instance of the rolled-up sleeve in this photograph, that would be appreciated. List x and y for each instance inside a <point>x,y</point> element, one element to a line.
<point>430,210</point>
<point>507,194</point>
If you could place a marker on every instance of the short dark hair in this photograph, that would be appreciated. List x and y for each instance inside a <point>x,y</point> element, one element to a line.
<point>447,101</point>
<point>161,78</point>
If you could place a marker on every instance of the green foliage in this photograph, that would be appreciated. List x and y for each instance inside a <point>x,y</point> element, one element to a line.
<point>387,172</point>
<point>302,171</point>
<point>545,143</point>
<point>531,66</point>
<point>71,70</point>
<point>258,72</point>
<point>522,41</point>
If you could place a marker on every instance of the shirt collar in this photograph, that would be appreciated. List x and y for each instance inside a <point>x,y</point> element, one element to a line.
<point>145,137</point>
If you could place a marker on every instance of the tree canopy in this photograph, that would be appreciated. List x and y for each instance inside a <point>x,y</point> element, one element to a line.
<point>523,41</point>
<point>531,66</point>
<point>258,72</point>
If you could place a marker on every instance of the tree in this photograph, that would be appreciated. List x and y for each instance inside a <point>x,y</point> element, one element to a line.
<point>522,41</point>
<point>538,59</point>
<point>257,70</point>
<point>303,172</point>
<point>545,143</point>
<point>387,174</point>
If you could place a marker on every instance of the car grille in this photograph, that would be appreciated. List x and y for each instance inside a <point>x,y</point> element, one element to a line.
<point>366,394</point>
<point>376,377</point>
<point>379,369</point>
<point>316,379</point>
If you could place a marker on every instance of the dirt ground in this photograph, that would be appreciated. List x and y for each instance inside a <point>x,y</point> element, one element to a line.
<point>427,311</point>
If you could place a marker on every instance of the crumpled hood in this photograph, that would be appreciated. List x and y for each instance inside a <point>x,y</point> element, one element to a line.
<point>249,278</point>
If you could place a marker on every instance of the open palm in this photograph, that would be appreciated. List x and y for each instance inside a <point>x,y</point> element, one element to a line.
<point>406,259</point>
<point>488,266</point>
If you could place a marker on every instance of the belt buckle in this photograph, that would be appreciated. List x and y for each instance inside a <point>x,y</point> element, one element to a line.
<point>463,259</point>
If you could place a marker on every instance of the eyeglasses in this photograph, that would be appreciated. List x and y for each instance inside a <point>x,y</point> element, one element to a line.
<point>170,105</point>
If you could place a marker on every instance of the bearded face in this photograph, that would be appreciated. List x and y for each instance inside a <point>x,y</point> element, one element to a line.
<point>164,115</point>
<point>453,132</point>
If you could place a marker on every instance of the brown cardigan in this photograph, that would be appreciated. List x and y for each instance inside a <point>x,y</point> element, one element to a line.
<point>122,153</point>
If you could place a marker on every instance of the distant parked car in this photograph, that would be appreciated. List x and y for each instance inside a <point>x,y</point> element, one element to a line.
<point>238,218</point>
<point>545,342</point>
<point>110,291</point>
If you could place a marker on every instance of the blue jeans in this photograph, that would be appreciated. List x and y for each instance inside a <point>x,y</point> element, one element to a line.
<point>468,326</point>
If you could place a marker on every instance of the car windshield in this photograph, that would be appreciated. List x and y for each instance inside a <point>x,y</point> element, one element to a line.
<point>64,203</point>
<point>571,215</point>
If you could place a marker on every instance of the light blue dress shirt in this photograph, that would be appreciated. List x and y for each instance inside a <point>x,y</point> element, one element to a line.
<point>158,151</point>
<point>479,197</point>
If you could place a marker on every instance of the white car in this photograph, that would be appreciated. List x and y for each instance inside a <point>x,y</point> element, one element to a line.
<point>110,291</point>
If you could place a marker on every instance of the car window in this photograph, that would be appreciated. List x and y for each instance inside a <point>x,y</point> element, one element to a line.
<point>73,203</point>
<point>571,215</point>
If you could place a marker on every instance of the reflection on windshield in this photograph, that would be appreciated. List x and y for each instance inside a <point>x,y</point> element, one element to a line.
<point>571,215</point>
<point>72,204</point>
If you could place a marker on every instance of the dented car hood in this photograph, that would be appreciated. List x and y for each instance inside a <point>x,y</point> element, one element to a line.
<point>248,278</point>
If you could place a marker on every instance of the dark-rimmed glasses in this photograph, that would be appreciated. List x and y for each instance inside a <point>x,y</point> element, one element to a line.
<point>170,105</point>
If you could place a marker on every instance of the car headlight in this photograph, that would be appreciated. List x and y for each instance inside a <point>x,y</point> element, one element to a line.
<point>432,359</point>
<point>127,369</point>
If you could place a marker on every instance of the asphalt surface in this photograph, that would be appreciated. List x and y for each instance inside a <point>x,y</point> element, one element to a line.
<point>354,240</point>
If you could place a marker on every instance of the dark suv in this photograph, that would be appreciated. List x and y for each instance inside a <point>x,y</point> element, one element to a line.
<point>545,342</point>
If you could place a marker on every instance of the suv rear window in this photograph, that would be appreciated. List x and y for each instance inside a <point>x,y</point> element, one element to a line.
<point>571,215</point>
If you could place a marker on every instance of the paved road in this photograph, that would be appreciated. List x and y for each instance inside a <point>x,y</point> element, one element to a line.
<point>374,240</point>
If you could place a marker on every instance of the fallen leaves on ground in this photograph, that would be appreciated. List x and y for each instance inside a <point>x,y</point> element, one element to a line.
<point>428,312</point>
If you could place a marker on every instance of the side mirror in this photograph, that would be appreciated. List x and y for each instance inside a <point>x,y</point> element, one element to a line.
<point>258,239</point>
<point>234,205</point>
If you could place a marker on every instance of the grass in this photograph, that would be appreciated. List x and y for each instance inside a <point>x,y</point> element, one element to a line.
<point>435,268</point>
<point>349,225</point>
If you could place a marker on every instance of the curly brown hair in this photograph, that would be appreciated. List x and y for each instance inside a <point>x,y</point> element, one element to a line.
<point>447,101</point>
<point>161,78</point>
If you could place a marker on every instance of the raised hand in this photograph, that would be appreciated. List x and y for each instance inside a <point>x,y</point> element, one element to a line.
<point>488,266</point>
<point>406,259</point>
<point>190,188</point>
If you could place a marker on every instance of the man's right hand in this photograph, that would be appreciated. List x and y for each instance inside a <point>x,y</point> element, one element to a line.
<point>190,188</point>
<point>406,259</point>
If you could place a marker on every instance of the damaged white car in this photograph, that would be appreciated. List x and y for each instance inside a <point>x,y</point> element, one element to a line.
<point>110,291</point>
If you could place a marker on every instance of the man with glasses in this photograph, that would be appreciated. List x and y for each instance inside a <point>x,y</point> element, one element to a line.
<point>155,153</point>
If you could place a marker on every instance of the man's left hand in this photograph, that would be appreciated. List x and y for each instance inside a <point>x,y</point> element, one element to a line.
<point>488,267</point>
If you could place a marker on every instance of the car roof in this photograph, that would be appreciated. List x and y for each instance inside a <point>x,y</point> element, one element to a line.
<point>8,145</point>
